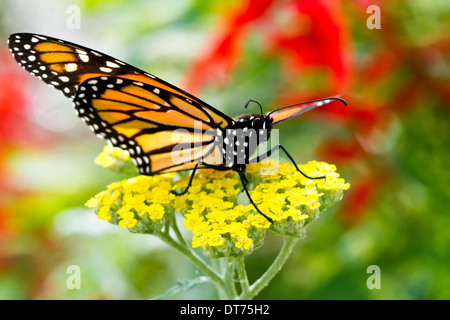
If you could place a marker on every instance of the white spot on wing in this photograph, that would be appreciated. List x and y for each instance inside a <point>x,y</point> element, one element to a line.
<point>105,69</point>
<point>71,67</point>
<point>81,51</point>
<point>112,64</point>
<point>84,57</point>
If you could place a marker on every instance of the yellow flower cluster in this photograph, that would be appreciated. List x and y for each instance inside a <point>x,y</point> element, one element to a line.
<point>219,215</point>
<point>115,159</point>
<point>212,213</point>
<point>286,196</point>
<point>139,203</point>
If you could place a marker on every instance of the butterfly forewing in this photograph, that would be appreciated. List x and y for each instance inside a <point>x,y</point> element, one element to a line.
<point>161,130</point>
<point>132,109</point>
<point>64,65</point>
<point>286,113</point>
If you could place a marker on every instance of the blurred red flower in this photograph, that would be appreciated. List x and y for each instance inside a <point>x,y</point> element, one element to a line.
<point>14,102</point>
<point>312,35</point>
<point>219,60</point>
<point>16,130</point>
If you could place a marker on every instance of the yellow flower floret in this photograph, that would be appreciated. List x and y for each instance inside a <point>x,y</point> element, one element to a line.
<point>112,156</point>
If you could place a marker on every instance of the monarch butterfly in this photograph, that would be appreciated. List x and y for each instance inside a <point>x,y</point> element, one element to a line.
<point>142,114</point>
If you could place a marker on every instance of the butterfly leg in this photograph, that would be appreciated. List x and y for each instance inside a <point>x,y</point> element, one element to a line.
<point>215,167</point>
<point>189,184</point>
<point>268,153</point>
<point>244,182</point>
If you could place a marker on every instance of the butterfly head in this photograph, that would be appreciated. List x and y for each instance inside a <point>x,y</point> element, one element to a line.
<point>256,122</point>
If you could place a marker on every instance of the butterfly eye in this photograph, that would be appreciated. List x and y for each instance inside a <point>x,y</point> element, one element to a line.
<point>256,123</point>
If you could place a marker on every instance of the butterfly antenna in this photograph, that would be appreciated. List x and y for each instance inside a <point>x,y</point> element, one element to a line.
<point>248,102</point>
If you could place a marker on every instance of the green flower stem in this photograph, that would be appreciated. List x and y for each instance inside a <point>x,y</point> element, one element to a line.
<point>207,270</point>
<point>229,278</point>
<point>288,245</point>
<point>219,266</point>
<point>242,276</point>
<point>177,232</point>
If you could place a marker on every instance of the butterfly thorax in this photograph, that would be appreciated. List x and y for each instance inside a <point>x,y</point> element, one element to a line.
<point>242,138</point>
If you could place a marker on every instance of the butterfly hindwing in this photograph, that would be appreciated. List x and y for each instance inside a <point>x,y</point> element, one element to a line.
<point>150,123</point>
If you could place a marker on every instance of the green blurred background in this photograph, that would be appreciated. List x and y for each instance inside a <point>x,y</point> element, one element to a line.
<point>389,143</point>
